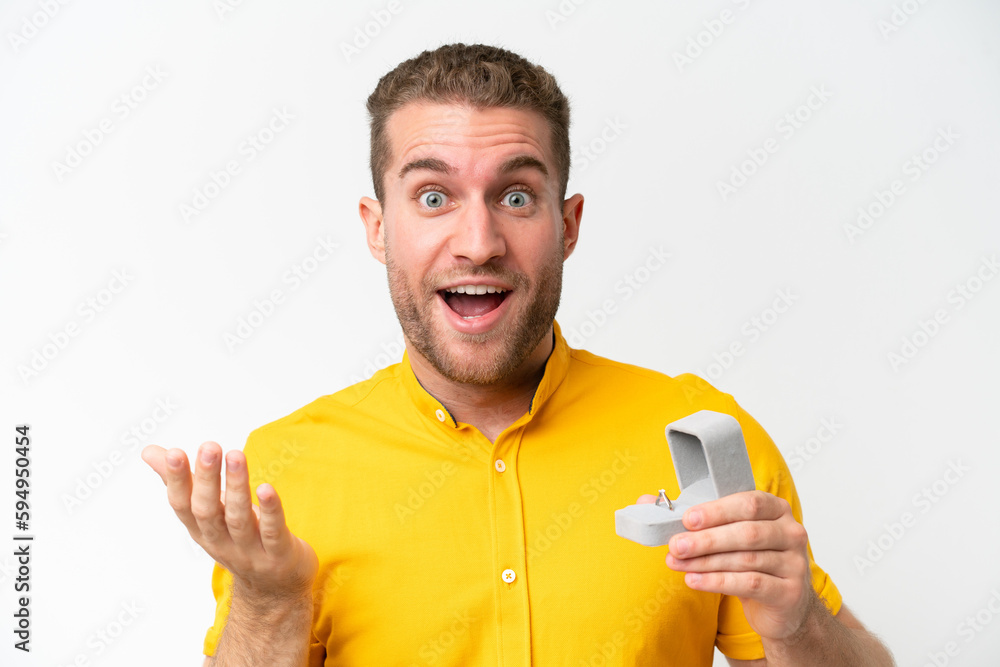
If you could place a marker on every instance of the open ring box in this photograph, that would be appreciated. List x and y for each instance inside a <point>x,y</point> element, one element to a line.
<point>711,461</point>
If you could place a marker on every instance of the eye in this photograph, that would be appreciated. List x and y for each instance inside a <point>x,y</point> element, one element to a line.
<point>517,199</point>
<point>432,199</point>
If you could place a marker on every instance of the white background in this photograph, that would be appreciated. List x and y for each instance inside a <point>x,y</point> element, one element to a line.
<point>894,76</point>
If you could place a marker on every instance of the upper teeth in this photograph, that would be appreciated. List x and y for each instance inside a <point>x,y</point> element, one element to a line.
<point>475,289</point>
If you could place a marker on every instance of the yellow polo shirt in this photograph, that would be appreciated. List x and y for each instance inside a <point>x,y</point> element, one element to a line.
<point>438,547</point>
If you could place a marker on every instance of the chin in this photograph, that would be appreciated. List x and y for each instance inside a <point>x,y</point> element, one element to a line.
<point>479,362</point>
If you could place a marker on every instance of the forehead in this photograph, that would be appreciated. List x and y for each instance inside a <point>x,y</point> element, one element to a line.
<point>465,137</point>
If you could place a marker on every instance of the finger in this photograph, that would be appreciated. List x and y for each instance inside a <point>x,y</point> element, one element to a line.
<point>645,498</point>
<point>205,494</point>
<point>240,519</point>
<point>155,457</point>
<point>752,585</point>
<point>741,536</point>
<point>745,506</point>
<point>178,480</point>
<point>274,533</point>
<point>775,563</point>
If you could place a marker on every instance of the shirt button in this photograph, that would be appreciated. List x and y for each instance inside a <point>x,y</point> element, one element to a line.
<point>440,414</point>
<point>500,465</point>
<point>508,576</point>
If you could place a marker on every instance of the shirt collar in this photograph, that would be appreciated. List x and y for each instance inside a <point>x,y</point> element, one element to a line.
<point>555,371</point>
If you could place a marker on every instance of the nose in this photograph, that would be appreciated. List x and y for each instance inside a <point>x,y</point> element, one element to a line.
<point>477,234</point>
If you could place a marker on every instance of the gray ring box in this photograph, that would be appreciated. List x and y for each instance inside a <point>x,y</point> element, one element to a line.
<point>711,461</point>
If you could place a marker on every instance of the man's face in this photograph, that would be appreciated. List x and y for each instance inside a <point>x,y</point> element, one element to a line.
<point>472,199</point>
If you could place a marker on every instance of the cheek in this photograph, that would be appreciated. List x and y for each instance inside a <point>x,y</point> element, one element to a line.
<point>412,255</point>
<point>418,260</point>
<point>427,240</point>
<point>538,251</point>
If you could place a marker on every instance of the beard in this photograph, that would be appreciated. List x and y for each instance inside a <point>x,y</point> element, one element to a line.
<point>498,353</point>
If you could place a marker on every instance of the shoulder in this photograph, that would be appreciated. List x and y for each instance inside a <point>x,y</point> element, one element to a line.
<point>365,397</point>
<point>641,390</point>
<point>628,379</point>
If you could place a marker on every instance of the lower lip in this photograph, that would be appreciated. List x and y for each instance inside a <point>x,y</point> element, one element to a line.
<point>475,325</point>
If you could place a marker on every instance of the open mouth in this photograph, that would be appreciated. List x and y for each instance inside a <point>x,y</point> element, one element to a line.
<point>473,301</point>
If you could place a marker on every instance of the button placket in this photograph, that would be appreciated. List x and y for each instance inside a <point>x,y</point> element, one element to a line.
<point>511,548</point>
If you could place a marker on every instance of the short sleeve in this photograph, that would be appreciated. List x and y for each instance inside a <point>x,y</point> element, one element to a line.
<point>734,638</point>
<point>222,589</point>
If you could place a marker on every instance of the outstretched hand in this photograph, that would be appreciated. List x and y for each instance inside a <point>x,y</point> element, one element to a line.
<point>252,542</point>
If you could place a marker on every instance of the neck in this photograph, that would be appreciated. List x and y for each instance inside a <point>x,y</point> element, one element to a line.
<point>490,408</point>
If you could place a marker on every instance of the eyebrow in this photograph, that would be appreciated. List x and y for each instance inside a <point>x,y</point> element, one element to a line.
<point>511,164</point>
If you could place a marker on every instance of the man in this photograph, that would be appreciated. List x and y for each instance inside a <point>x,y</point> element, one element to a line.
<point>458,507</point>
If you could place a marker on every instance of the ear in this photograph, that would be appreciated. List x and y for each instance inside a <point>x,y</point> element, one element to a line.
<point>371,216</point>
<point>572,212</point>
